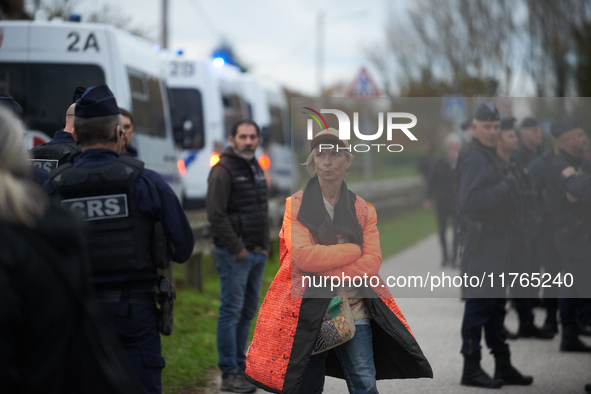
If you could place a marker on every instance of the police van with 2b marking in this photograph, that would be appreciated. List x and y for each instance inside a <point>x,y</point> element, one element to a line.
<point>198,121</point>
<point>206,100</point>
<point>41,63</point>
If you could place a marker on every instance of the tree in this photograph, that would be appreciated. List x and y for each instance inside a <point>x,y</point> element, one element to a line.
<point>473,46</point>
<point>107,14</point>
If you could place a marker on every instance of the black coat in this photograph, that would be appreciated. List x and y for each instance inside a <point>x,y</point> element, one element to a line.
<point>54,339</point>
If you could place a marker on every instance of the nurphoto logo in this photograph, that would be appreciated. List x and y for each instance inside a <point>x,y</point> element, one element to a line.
<point>344,128</point>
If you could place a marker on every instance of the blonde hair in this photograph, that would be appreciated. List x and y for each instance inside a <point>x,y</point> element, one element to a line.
<point>22,201</point>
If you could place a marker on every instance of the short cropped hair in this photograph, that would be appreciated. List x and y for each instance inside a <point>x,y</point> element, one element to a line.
<point>234,129</point>
<point>91,131</point>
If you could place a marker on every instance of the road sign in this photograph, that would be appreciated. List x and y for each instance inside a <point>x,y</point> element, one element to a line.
<point>363,86</point>
<point>454,108</point>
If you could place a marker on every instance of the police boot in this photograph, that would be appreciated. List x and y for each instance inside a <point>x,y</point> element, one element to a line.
<point>507,372</point>
<point>550,324</point>
<point>527,329</point>
<point>570,340</point>
<point>588,388</point>
<point>474,375</point>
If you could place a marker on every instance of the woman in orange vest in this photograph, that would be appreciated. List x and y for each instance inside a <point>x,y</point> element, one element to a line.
<point>330,234</point>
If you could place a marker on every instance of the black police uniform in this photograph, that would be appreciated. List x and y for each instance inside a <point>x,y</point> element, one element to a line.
<point>572,236</point>
<point>123,203</point>
<point>61,150</point>
<point>524,156</point>
<point>524,257</point>
<point>540,170</point>
<point>484,201</point>
<point>485,210</point>
<point>126,292</point>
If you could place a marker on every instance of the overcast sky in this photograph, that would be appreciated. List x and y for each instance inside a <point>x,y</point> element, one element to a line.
<point>277,39</point>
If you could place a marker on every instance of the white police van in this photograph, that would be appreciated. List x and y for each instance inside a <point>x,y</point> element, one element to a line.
<point>205,102</point>
<point>41,63</point>
<point>198,120</point>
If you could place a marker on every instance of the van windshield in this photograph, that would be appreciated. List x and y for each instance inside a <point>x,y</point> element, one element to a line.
<point>45,90</point>
<point>186,109</point>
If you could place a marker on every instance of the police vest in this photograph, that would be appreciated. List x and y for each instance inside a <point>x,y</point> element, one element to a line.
<point>121,236</point>
<point>247,206</point>
<point>48,157</point>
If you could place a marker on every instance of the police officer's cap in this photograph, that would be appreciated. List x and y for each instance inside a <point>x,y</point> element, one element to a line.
<point>507,123</point>
<point>529,122</point>
<point>487,112</point>
<point>96,101</point>
<point>8,102</point>
<point>559,128</point>
<point>78,93</point>
<point>466,125</point>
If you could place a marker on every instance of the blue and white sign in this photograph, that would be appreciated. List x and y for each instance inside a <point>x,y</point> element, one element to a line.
<point>454,108</point>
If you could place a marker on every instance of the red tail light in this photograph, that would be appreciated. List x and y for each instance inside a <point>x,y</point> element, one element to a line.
<point>181,166</point>
<point>264,161</point>
<point>213,159</point>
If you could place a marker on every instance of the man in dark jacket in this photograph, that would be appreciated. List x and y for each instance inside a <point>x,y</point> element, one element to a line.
<point>137,225</point>
<point>440,187</point>
<point>485,208</point>
<point>63,148</point>
<point>236,205</point>
<point>566,194</point>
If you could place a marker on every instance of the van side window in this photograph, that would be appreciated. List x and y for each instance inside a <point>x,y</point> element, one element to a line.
<point>232,111</point>
<point>147,104</point>
<point>276,127</point>
<point>44,90</point>
<point>186,108</point>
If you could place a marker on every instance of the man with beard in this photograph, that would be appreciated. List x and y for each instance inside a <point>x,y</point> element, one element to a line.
<point>236,204</point>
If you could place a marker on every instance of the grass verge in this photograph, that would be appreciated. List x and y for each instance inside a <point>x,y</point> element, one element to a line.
<point>190,351</point>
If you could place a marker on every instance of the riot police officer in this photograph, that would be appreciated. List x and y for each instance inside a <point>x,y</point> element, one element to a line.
<point>125,206</point>
<point>566,193</point>
<point>524,225</point>
<point>531,142</point>
<point>63,148</point>
<point>539,171</point>
<point>485,209</point>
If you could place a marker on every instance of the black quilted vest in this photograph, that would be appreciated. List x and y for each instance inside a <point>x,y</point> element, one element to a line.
<point>247,206</point>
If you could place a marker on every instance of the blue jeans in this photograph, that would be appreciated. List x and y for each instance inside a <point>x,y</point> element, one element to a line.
<point>356,358</point>
<point>240,284</point>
